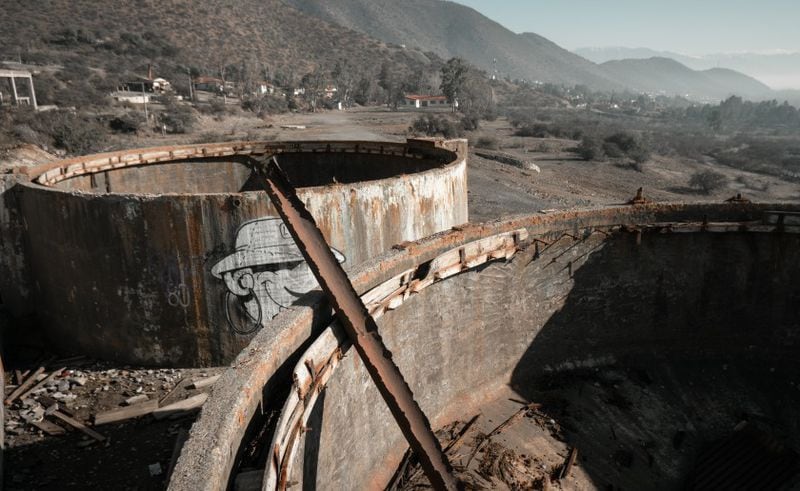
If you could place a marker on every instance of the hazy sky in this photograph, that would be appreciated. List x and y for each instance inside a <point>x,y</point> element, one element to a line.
<point>685,26</point>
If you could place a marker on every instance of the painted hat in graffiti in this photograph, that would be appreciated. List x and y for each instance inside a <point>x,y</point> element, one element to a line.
<point>265,241</point>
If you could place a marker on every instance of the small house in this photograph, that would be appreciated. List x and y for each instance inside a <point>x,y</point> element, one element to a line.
<point>425,101</point>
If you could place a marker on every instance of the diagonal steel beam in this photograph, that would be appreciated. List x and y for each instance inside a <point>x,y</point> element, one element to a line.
<point>360,326</point>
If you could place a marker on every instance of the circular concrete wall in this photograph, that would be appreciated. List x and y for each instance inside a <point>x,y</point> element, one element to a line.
<point>170,256</point>
<point>496,306</point>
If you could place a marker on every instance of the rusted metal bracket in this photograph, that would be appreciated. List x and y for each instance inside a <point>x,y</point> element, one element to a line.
<point>359,325</point>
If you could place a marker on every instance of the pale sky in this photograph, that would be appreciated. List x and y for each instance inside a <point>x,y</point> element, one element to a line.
<point>685,26</point>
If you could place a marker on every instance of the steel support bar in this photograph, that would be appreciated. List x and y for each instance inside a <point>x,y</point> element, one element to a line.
<point>360,326</point>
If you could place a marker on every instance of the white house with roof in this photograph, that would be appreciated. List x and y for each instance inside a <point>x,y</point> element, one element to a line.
<point>426,101</point>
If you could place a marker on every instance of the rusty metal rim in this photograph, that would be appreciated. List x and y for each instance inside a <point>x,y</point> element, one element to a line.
<point>49,174</point>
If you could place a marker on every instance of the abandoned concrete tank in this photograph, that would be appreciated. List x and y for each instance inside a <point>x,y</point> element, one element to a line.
<point>632,325</point>
<point>173,256</point>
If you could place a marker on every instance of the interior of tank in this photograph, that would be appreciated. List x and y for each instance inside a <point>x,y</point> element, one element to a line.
<point>667,360</point>
<point>234,175</point>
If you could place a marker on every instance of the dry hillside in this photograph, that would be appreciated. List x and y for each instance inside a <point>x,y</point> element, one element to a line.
<point>208,35</point>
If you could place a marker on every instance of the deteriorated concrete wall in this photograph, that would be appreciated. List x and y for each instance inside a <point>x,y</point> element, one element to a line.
<point>586,289</point>
<point>15,284</point>
<point>148,256</point>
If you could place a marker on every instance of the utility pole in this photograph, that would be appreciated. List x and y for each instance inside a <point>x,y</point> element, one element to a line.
<point>144,99</point>
<point>191,84</point>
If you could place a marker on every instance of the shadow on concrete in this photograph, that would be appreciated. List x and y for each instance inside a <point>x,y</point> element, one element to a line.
<point>662,348</point>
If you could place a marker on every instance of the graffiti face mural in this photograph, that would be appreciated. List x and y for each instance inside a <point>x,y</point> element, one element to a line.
<point>264,275</point>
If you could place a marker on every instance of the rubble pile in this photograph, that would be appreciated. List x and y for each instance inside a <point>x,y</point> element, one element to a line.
<point>82,404</point>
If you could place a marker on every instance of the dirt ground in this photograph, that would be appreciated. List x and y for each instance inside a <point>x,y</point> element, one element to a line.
<point>497,189</point>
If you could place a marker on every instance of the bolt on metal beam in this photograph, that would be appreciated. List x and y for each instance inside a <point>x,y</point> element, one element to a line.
<point>359,325</point>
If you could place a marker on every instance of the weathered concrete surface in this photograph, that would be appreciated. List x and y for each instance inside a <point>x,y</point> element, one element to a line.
<point>15,286</point>
<point>591,288</point>
<point>127,274</point>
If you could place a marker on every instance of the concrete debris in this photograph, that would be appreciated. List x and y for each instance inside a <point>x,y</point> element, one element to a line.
<point>93,392</point>
<point>155,469</point>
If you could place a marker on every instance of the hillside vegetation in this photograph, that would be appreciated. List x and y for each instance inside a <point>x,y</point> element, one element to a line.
<point>113,36</point>
<point>283,40</point>
<point>452,30</point>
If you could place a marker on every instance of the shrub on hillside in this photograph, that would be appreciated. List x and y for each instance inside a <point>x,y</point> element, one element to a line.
<point>433,125</point>
<point>590,149</point>
<point>708,181</point>
<point>487,142</point>
<point>176,117</point>
<point>130,122</point>
<point>266,105</point>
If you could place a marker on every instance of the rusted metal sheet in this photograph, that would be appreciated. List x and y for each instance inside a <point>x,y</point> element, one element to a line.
<point>360,326</point>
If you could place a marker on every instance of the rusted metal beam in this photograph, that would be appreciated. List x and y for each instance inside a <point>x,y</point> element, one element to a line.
<point>359,324</point>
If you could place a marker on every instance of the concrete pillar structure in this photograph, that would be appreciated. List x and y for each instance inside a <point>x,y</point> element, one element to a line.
<point>15,74</point>
<point>14,89</point>
<point>33,92</point>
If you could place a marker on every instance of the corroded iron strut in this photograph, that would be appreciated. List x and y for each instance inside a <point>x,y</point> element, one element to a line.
<point>359,324</point>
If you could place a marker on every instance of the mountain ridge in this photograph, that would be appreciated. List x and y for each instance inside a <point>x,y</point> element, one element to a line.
<point>779,70</point>
<point>665,75</point>
<point>450,29</point>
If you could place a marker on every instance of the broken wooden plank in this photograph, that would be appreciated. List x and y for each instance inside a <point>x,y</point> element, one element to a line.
<point>204,382</point>
<point>453,445</point>
<point>174,389</point>
<point>48,427</point>
<point>126,413</point>
<point>53,411</point>
<point>181,407</point>
<point>42,383</point>
<point>24,386</point>
<point>568,464</point>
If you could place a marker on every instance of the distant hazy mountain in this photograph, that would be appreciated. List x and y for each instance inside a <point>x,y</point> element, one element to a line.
<point>664,75</point>
<point>602,55</point>
<point>449,29</point>
<point>779,70</point>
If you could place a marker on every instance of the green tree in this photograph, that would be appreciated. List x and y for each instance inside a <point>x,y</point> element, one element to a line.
<point>454,76</point>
